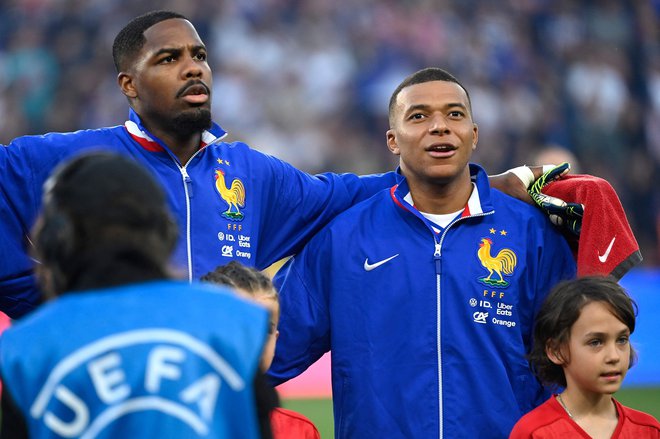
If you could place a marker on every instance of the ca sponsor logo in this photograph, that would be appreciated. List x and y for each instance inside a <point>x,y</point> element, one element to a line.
<point>228,251</point>
<point>159,385</point>
<point>480,317</point>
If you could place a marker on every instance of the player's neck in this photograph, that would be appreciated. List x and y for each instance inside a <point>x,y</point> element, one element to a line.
<point>594,413</point>
<point>441,199</point>
<point>184,147</point>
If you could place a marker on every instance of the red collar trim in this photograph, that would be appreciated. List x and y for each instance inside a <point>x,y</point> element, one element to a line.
<point>151,145</point>
<point>398,203</point>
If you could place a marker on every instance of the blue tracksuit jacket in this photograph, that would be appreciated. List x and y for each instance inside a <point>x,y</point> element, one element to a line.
<point>230,202</point>
<point>155,359</point>
<point>428,330</point>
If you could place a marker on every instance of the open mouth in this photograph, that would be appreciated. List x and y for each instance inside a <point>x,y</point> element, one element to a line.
<point>441,150</point>
<point>195,94</point>
<point>445,147</point>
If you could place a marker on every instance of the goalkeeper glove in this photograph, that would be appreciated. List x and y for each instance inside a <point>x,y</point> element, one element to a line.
<point>561,213</point>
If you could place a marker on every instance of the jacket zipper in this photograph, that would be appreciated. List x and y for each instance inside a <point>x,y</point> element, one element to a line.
<point>438,274</point>
<point>437,257</point>
<point>187,187</point>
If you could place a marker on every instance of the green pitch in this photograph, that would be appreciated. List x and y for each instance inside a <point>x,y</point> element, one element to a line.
<point>319,411</point>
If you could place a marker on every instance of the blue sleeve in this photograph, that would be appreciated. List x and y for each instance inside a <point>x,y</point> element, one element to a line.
<point>556,263</point>
<point>20,199</point>
<point>26,163</point>
<point>298,205</point>
<point>305,320</point>
<point>17,283</point>
<point>553,263</point>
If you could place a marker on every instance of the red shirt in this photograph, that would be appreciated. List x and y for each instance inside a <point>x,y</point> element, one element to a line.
<point>550,421</point>
<point>287,424</point>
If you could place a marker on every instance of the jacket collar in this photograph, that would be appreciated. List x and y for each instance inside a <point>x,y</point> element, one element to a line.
<point>151,143</point>
<point>478,204</point>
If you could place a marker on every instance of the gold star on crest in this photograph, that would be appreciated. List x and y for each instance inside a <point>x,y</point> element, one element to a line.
<point>503,232</point>
<point>219,161</point>
<point>492,231</point>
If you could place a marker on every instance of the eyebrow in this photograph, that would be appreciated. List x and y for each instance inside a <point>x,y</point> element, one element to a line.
<point>426,106</point>
<point>177,50</point>
<point>602,334</point>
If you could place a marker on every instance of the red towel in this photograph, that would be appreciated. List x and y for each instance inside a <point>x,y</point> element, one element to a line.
<point>606,244</point>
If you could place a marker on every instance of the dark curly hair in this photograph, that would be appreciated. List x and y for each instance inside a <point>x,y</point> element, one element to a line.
<point>560,311</point>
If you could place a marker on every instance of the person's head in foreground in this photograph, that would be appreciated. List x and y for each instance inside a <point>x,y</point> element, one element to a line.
<point>252,283</point>
<point>104,222</point>
<point>582,338</point>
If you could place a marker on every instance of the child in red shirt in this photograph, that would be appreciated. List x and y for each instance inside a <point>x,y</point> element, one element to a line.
<point>581,344</point>
<point>248,281</point>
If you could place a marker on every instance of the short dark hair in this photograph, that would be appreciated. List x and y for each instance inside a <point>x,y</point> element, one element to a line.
<point>236,275</point>
<point>425,75</point>
<point>130,39</point>
<point>560,311</point>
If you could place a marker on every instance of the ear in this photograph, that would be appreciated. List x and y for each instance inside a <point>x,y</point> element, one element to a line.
<point>475,131</point>
<point>391,142</point>
<point>127,85</point>
<point>554,353</point>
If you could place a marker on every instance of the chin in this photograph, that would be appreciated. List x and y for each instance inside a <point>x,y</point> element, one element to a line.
<point>192,121</point>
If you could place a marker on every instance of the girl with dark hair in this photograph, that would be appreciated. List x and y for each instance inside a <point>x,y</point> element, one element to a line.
<point>582,344</point>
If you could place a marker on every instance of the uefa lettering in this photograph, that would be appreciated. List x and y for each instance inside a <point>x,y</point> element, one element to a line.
<point>162,385</point>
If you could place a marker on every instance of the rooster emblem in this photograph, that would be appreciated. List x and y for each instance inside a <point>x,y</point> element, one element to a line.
<point>503,263</point>
<point>234,196</point>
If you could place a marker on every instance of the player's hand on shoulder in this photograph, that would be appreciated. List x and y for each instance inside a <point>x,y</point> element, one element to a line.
<point>565,215</point>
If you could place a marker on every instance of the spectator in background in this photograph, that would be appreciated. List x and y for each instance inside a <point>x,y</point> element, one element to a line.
<point>426,293</point>
<point>251,283</point>
<point>582,349</point>
<point>122,350</point>
<point>556,155</point>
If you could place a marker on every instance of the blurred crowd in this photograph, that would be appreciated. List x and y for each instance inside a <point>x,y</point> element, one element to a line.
<point>309,81</point>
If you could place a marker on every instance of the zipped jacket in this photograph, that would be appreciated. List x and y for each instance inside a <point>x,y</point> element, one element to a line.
<point>428,326</point>
<point>230,202</point>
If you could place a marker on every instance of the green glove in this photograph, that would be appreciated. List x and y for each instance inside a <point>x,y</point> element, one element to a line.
<point>561,213</point>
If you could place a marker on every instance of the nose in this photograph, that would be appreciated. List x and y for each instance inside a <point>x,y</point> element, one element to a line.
<point>438,125</point>
<point>192,68</point>
<point>613,353</point>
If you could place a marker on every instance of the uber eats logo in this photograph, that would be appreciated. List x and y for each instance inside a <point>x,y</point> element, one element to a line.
<point>154,369</point>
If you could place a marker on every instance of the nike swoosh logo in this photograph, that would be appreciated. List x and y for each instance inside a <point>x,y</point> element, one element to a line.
<point>602,258</point>
<point>369,267</point>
